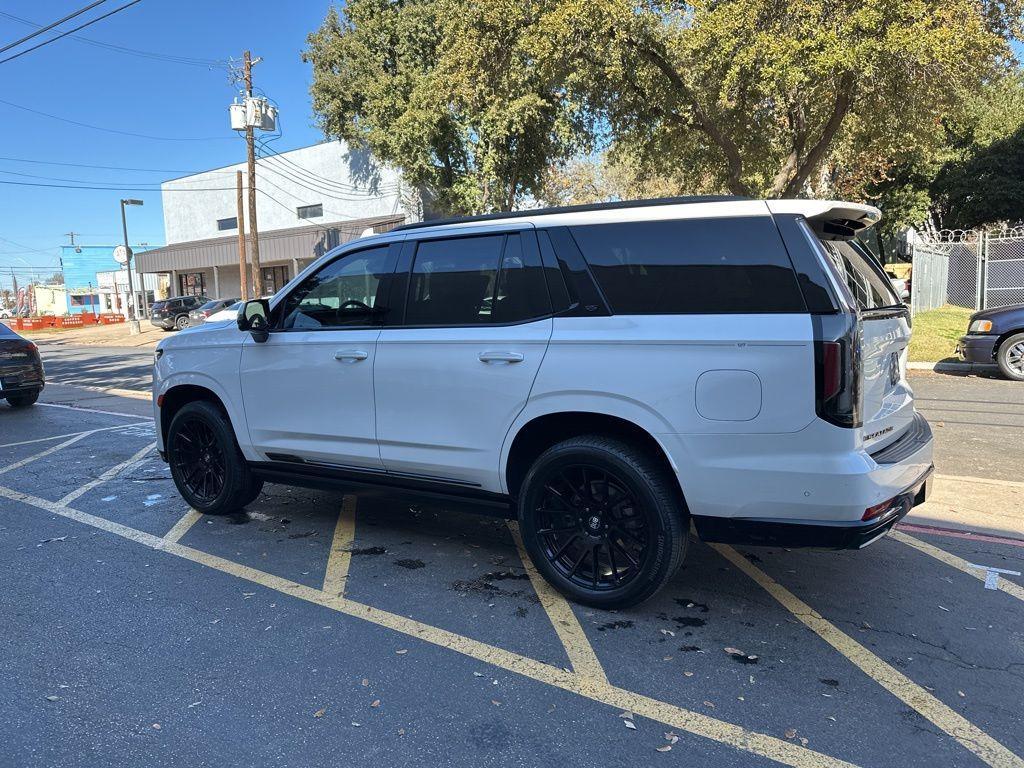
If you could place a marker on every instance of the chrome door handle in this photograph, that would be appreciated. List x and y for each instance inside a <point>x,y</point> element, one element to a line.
<point>353,355</point>
<point>501,357</point>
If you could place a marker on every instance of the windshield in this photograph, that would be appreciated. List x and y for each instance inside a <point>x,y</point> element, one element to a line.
<point>211,305</point>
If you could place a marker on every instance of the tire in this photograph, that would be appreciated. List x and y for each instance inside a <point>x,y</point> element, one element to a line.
<point>181,322</point>
<point>23,401</point>
<point>1011,357</point>
<point>602,501</point>
<point>213,477</point>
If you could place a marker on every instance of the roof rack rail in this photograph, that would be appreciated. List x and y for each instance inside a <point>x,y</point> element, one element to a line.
<point>572,209</point>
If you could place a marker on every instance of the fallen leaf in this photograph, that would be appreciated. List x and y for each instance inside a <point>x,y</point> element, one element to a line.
<point>709,704</point>
<point>688,674</point>
<point>671,737</point>
<point>668,632</point>
<point>375,703</point>
<point>665,748</point>
<point>402,652</point>
<point>156,726</point>
<point>629,724</point>
<point>365,682</point>
<point>320,712</point>
<point>495,702</point>
<point>357,725</point>
<point>478,674</point>
<point>791,733</point>
<point>735,652</point>
<point>962,694</point>
<point>626,714</point>
<point>53,698</point>
<point>401,731</point>
<point>803,741</point>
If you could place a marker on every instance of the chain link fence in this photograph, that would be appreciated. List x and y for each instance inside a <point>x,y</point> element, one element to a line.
<point>967,268</point>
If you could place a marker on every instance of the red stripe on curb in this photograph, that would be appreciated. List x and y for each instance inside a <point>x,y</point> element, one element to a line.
<point>911,528</point>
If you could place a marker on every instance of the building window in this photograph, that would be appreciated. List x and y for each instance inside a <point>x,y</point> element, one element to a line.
<point>223,224</point>
<point>274,279</point>
<point>310,211</point>
<point>192,284</point>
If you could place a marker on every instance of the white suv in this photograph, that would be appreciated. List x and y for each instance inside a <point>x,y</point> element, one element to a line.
<point>613,373</point>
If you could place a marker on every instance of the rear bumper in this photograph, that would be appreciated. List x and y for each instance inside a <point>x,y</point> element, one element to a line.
<point>807,533</point>
<point>976,349</point>
<point>163,322</point>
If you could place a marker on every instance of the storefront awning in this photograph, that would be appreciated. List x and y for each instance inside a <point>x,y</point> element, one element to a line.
<point>280,245</point>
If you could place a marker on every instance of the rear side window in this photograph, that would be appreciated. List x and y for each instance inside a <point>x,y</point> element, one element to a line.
<point>691,266</point>
<point>857,268</point>
<point>490,279</point>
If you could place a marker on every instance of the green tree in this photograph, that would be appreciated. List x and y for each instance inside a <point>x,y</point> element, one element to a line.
<point>446,91</point>
<point>476,100</point>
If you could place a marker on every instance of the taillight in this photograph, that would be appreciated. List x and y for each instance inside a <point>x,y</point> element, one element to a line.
<point>878,510</point>
<point>837,374</point>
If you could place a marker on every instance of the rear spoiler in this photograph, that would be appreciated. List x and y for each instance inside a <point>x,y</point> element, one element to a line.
<point>831,219</point>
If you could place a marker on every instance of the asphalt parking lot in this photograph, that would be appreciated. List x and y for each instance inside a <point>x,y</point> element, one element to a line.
<point>326,628</point>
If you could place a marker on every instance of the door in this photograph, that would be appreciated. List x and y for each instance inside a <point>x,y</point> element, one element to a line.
<point>888,402</point>
<point>453,377</point>
<point>308,390</point>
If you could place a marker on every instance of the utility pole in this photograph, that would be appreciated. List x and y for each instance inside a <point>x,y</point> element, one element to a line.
<point>72,236</point>
<point>257,279</point>
<point>240,220</point>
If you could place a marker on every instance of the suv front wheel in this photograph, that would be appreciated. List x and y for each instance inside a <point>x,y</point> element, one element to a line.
<point>603,521</point>
<point>206,463</point>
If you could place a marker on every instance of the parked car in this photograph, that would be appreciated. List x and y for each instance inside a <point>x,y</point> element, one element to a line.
<point>996,336</point>
<point>21,369</point>
<point>5,313</point>
<point>227,313</point>
<point>200,315</point>
<point>899,285</point>
<point>173,314</point>
<point>614,373</point>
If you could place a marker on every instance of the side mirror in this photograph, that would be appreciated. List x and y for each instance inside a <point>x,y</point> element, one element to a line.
<point>254,318</point>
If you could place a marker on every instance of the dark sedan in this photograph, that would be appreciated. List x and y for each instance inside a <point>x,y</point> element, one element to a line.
<point>996,336</point>
<point>200,315</point>
<point>21,369</point>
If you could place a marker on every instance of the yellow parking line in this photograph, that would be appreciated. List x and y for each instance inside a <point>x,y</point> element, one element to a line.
<point>108,475</point>
<point>341,548</point>
<point>959,563</point>
<point>581,654</point>
<point>182,527</point>
<point>42,454</point>
<point>763,745</point>
<point>898,684</point>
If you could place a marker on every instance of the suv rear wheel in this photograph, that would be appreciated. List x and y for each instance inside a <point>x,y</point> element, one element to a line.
<point>181,322</point>
<point>603,521</point>
<point>1011,357</point>
<point>23,400</point>
<point>207,466</point>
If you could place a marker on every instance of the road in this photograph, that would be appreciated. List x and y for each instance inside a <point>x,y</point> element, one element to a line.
<point>97,366</point>
<point>320,629</point>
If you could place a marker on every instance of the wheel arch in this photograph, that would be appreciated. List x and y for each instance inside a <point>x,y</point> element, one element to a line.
<point>174,398</point>
<point>1002,338</point>
<point>542,431</point>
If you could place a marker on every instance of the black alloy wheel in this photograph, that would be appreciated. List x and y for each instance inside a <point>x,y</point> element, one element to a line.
<point>199,459</point>
<point>207,465</point>
<point>593,531</point>
<point>603,521</point>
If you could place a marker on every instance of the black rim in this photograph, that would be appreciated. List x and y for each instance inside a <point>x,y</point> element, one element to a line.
<point>199,460</point>
<point>592,528</point>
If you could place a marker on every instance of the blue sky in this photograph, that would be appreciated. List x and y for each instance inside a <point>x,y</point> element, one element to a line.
<point>95,85</point>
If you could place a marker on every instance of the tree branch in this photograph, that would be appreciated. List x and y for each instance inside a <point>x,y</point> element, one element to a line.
<point>701,118</point>
<point>843,102</point>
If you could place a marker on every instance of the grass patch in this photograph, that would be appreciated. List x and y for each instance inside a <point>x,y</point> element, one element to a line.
<point>936,332</point>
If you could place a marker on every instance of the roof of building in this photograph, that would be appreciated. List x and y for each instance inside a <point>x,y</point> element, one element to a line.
<point>279,245</point>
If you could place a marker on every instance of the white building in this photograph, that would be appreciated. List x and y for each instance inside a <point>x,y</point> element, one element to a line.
<point>112,289</point>
<point>308,201</point>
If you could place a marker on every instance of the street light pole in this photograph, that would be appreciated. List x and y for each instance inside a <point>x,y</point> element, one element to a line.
<point>133,323</point>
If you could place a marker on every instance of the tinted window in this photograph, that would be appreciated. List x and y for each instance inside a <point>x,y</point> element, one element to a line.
<point>215,304</point>
<point>341,294</point>
<point>475,280</point>
<point>706,266</point>
<point>870,287</point>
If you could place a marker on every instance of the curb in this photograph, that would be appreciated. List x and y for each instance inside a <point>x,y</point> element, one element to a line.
<point>947,366</point>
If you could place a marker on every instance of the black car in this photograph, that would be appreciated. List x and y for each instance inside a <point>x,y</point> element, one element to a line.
<point>198,315</point>
<point>996,336</point>
<point>21,369</point>
<point>171,314</point>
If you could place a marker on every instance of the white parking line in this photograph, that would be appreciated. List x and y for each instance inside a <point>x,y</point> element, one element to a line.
<point>94,410</point>
<point>74,434</point>
<point>42,454</point>
<point>110,473</point>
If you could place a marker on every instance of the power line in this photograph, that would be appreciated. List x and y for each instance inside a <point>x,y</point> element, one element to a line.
<point>114,189</point>
<point>319,190</point>
<point>114,130</point>
<point>315,177</point>
<point>74,29</point>
<point>58,22</point>
<point>188,60</point>
<point>103,167</point>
